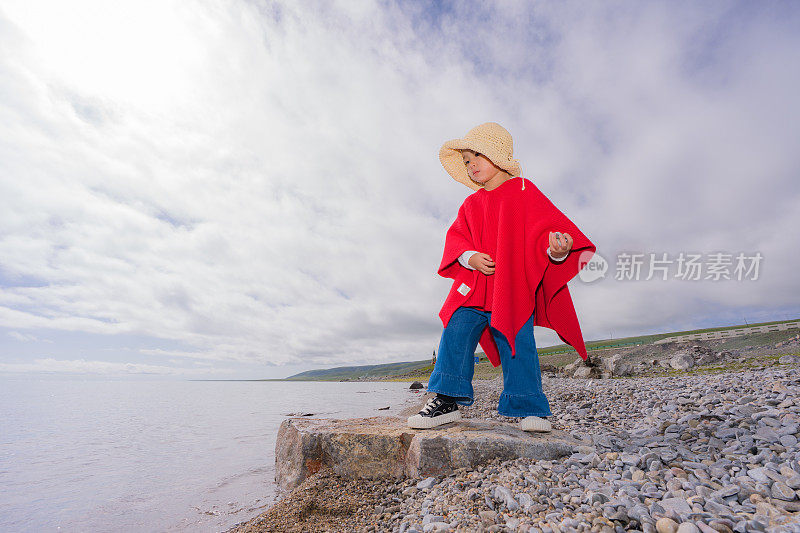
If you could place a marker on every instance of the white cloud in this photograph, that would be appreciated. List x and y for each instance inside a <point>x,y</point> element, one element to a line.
<point>259,184</point>
<point>104,368</point>
<point>22,336</point>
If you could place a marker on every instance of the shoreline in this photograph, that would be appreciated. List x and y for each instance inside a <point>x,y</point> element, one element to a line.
<point>624,480</point>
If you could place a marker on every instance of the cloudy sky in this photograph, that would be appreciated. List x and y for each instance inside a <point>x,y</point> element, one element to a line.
<point>231,189</point>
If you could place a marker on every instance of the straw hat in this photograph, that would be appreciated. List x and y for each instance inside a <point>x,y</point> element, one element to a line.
<point>490,139</point>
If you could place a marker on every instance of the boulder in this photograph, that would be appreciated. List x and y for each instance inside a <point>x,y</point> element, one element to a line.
<point>548,368</point>
<point>588,372</point>
<point>570,368</point>
<point>681,361</point>
<point>789,342</point>
<point>616,365</point>
<point>416,385</point>
<point>380,447</point>
<point>704,355</point>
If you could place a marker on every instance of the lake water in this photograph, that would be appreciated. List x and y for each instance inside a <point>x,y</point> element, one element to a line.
<point>156,455</point>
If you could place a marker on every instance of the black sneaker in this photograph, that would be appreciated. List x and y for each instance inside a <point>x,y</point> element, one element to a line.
<point>437,411</point>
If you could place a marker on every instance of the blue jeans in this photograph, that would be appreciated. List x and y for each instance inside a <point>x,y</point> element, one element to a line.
<point>522,378</point>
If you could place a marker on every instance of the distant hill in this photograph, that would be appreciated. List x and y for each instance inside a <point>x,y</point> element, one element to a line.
<point>559,355</point>
<point>357,373</point>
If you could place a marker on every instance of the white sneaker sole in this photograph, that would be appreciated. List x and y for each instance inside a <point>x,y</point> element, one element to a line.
<point>534,423</point>
<point>425,422</point>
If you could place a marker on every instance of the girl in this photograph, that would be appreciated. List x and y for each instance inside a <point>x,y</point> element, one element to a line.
<point>510,253</point>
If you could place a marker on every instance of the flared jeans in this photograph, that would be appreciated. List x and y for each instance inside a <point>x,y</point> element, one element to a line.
<point>455,365</point>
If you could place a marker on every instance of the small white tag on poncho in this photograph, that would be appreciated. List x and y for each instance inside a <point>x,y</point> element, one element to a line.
<point>463,289</point>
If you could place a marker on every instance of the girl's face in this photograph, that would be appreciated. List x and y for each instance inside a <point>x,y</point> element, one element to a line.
<point>479,168</point>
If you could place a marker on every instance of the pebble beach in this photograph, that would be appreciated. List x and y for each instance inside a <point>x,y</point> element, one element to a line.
<point>695,453</point>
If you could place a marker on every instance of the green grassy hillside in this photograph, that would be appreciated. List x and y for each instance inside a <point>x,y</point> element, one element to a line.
<point>349,373</point>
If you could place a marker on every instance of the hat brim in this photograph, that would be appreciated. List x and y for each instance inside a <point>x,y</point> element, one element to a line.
<point>453,162</point>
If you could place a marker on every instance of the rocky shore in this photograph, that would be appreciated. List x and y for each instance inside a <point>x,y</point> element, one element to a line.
<point>709,453</point>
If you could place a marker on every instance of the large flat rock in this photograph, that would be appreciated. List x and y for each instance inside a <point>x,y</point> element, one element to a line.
<point>386,447</point>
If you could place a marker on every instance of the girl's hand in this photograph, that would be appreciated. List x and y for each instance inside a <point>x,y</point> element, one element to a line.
<point>561,245</point>
<point>482,263</point>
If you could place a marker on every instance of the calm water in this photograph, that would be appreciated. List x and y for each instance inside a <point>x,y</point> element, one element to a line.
<point>155,456</point>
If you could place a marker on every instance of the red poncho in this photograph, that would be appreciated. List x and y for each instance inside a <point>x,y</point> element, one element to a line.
<point>513,226</point>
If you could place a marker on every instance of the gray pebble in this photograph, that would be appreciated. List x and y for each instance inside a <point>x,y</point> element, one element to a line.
<point>662,455</point>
